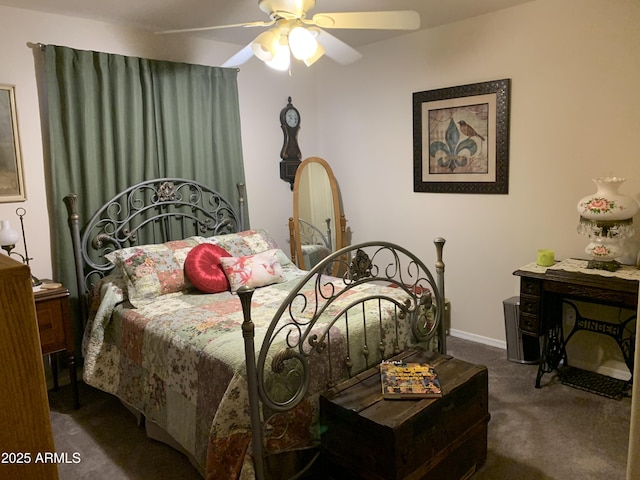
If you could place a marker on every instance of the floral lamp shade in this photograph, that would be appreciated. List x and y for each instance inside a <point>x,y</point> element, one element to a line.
<point>606,217</point>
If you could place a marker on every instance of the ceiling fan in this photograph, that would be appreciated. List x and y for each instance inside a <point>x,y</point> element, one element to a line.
<point>292,33</point>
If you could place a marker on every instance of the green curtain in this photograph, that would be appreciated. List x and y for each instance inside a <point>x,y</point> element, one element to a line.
<point>115,121</point>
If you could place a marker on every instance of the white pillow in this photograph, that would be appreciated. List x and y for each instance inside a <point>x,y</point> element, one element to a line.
<point>257,270</point>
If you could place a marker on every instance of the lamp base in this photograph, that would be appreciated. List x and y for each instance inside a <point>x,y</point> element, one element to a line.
<point>35,281</point>
<point>608,265</point>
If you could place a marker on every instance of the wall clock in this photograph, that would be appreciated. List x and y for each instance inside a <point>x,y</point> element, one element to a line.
<point>290,153</point>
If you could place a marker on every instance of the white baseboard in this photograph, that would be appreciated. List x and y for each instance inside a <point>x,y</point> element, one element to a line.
<point>602,369</point>
<point>478,338</point>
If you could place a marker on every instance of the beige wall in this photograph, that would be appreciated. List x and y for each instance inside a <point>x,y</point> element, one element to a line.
<point>574,68</point>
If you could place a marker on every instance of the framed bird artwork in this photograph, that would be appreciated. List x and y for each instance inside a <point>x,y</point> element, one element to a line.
<point>461,139</point>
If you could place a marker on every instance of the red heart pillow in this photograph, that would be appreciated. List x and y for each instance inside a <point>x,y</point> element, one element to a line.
<point>203,269</point>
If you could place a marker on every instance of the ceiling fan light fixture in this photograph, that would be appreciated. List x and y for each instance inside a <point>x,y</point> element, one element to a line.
<point>320,51</point>
<point>307,38</point>
<point>282,59</point>
<point>265,46</point>
<point>302,43</point>
<point>294,8</point>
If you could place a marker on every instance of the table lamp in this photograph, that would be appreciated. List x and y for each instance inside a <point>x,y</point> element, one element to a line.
<point>9,237</point>
<point>606,217</point>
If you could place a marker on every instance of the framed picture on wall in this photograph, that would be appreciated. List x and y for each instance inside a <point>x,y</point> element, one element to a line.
<point>461,139</point>
<point>11,168</point>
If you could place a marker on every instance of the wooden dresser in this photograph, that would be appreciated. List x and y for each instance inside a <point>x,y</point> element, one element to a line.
<point>24,406</point>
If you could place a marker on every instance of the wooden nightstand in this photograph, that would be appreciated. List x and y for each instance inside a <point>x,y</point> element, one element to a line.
<point>56,334</point>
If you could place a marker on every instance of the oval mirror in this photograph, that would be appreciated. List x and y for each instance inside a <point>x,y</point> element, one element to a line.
<point>317,226</point>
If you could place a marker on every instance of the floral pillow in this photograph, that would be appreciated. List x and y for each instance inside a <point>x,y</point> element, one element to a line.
<point>203,269</point>
<point>244,243</point>
<point>256,270</point>
<point>153,270</point>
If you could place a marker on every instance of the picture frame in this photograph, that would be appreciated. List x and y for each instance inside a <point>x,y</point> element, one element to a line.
<point>12,186</point>
<point>461,139</point>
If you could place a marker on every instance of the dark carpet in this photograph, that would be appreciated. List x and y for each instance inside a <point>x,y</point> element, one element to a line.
<point>553,433</point>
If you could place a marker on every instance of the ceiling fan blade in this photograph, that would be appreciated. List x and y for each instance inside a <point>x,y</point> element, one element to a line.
<point>240,57</point>
<point>336,49</point>
<point>217,27</point>
<point>392,20</point>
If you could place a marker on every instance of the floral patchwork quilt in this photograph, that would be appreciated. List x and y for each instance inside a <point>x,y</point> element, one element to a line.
<point>179,360</point>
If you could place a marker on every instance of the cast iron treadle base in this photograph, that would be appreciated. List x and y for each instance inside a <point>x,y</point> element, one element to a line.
<point>593,382</point>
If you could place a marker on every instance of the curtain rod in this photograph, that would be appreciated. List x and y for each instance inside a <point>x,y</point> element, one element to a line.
<point>42,46</point>
<point>39,45</point>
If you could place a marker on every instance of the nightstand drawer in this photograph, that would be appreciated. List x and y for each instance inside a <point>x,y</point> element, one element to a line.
<point>51,325</point>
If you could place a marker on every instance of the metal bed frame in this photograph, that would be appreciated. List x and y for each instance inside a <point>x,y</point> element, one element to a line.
<point>303,323</point>
<point>165,209</point>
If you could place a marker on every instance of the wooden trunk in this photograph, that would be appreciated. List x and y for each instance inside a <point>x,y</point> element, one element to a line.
<point>365,436</point>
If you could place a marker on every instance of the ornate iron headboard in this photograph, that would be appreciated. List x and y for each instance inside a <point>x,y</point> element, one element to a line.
<point>153,211</point>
